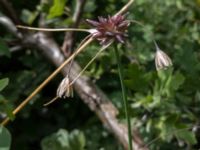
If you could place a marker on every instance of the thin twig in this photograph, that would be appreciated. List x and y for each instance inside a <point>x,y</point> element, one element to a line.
<point>10,11</point>
<point>97,54</point>
<point>125,8</point>
<point>51,101</point>
<point>70,36</point>
<point>55,30</point>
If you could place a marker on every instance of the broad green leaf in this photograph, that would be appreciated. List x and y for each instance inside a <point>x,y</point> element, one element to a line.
<point>57,9</point>
<point>4,49</point>
<point>166,129</point>
<point>9,109</point>
<point>56,141</point>
<point>5,139</point>
<point>3,83</point>
<point>164,74</point>
<point>77,140</point>
<point>177,80</point>
<point>134,78</point>
<point>28,16</point>
<point>187,136</point>
<point>62,140</point>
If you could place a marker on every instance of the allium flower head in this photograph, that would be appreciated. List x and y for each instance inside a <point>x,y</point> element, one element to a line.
<point>162,60</point>
<point>111,28</point>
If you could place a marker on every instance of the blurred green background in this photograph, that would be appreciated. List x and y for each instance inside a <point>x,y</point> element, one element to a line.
<point>163,104</point>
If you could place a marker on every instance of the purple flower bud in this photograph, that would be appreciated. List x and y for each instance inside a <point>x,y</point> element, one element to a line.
<point>110,28</point>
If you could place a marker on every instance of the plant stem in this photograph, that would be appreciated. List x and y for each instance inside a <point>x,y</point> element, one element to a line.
<point>124,96</point>
<point>55,30</point>
<point>124,9</point>
<point>97,54</point>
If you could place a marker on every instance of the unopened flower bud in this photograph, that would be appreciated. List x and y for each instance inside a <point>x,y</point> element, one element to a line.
<point>162,60</point>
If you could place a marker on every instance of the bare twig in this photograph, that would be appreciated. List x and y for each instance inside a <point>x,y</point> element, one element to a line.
<point>55,30</point>
<point>9,11</point>
<point>125,8</point>
<point>69,36</point>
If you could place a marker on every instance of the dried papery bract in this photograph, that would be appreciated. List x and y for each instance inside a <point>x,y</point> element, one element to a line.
<point>162,60</point>
<point>65,88</point>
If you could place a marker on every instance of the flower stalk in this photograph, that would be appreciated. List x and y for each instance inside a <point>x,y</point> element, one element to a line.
<point>54,30</point>
<point>124,97</point>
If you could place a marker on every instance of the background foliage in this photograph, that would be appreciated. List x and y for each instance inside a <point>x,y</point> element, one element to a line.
<point>163,104</point>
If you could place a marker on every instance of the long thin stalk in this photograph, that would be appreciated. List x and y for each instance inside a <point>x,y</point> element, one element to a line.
<point>89,63</point>
<point>124,97</point>
<point>55,30</point>
<point>42,85</point>
<point>124,9</point>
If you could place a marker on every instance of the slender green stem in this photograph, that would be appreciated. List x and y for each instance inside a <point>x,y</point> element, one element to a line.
<point>124,97</point>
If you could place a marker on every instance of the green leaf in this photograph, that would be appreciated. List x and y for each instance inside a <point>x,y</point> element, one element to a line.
<point>9,111</point>
<point>187,136</point>
<point>5,139</point>
<point>4,49</point>
<point>77,140</point>
<point>177,80</point>
<point>134,78</point>
<point>28,16</point>
<point>57,9</point>
<point>3,83</point>
<point>62,140</point>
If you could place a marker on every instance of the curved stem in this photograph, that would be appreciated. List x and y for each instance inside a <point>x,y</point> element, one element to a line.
<point>51,101</point>
<point>42,85</point>
<point>124,9</point>
<point>124,97</point>
<point>97,54</point>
